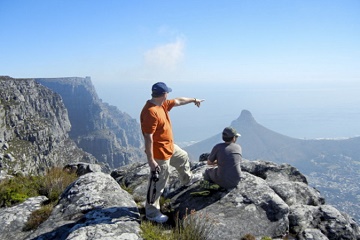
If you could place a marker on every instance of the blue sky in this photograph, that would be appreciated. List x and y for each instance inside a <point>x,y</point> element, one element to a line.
<point>297,53</point>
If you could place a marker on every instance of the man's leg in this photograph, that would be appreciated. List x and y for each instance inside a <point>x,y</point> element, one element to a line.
<point>180,161</point>
<point>153,209</point>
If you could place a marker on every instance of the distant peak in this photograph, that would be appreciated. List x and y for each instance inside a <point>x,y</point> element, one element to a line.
<point>246,116</point>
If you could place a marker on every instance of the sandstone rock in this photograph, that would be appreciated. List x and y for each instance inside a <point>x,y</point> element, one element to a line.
<point>294,193</point>
<point>271,200</point>
<point>81,168</point>
<point>246,209</point>
<point>312,234</point>
<point>5,146</point>
<point>325,218</point>
<point>13,219</point>
<point>96,207</point>
<point>93,207</point>
<point>273,172</point>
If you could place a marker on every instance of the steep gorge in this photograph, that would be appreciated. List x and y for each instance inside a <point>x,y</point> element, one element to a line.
<point>112,136</point>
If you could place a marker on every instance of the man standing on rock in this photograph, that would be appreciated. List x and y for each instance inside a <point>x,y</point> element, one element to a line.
<point>160,149</point>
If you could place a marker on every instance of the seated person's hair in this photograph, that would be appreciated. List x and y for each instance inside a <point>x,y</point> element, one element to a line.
<point>227,139</point>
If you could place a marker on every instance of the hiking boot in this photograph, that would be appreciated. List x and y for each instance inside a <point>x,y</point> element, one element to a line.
<point>160,218</point>
<point>194,178</point>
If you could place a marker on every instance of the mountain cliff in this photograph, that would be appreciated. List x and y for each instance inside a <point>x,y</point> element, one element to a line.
<point>34,128</point>
<point>332,166</point>
<point>112,136</point>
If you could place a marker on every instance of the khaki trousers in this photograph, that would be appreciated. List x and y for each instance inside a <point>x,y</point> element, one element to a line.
<point>180,161</point>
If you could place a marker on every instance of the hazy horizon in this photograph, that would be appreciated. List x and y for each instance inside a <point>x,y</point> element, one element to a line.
<point>305,113</point>
<point>293,64</point>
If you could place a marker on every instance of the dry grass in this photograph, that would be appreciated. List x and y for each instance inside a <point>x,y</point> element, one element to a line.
<point>194,226</point>
<point>54,183</point>
<point>37,217</point>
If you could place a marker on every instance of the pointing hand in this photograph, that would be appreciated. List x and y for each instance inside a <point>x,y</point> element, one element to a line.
<point>197,102</point>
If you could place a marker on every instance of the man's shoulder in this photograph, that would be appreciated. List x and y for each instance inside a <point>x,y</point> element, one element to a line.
<point>148,109</point>
<point>169,103</point>
<point>236,145</point>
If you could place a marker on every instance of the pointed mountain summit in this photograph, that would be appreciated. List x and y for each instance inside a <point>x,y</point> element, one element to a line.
<point>246,117</point>
<point>257,141</point>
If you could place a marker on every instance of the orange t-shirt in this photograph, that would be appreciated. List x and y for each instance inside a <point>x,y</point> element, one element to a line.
<point>155,120</point>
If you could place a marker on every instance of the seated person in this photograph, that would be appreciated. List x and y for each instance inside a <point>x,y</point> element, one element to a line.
<point>226,158</point>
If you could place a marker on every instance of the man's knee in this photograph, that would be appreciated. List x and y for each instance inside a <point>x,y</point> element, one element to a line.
<point>180,154</point>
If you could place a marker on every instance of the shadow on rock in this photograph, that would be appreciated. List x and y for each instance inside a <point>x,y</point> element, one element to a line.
<point>194,198</point>
<point>107,216</point>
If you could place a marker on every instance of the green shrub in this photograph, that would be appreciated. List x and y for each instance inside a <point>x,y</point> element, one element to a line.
<point>17,189</point>
<point>266,238</point>
<point>153,231</point>
<point>128,189</point>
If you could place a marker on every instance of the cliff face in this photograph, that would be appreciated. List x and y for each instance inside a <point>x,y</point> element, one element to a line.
<point>34,128</point>
<point>112,136</point>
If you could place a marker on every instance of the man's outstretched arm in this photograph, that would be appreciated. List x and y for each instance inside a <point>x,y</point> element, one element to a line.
<point>185,100</point>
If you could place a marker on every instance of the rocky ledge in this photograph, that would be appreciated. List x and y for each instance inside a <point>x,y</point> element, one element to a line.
<point>271,200</point>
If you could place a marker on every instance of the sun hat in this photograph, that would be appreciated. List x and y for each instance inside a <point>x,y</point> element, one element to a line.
<point>160,88</point>
<point>230,132</point>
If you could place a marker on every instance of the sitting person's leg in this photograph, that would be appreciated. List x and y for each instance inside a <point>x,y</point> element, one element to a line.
<point>210,174</point>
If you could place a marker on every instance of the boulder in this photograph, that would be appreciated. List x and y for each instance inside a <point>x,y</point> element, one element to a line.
<point>271,200</point>
<point>13,219</point>
<point>96,206</point>
<point>246,209</point>
<point>93,207</point>
<point>325,218</point>
<point>81,168</point>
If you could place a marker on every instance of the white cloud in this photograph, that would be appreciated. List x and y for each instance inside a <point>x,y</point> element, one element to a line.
<point>166,57</point>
